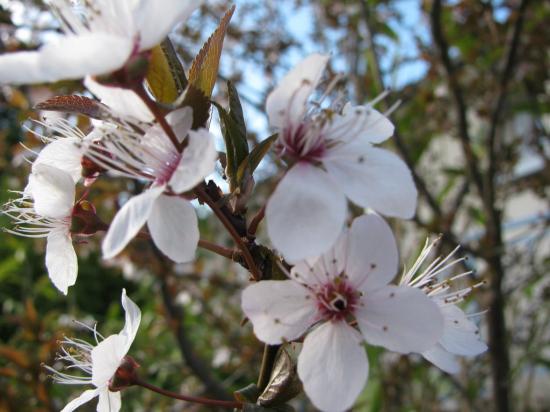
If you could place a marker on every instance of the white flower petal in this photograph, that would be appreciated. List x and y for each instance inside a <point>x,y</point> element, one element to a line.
<point>198,160</point>
<point>360,122</point>
<point>129,220</point>
<point>315,272</point>
<point>74,57</point>
<point>373,177</point>
<point>372,253</point>
<point>442,359</point>
<point>61,260</point>
<point>86,396</point>
<point>460,335</point>
<point>123,102</point>
<point>181,121</point>
<point>279,310</point>
<point>109,401</point>
<point>62,154</point>
<point>306,213</point>
<point>173,225</point>
<point>20,68</point>
<point>68,57</point>
<point>333,366</point>
<point>106,358</point>
<point>154,22</point>
<point>286,104</point>
<point>52,190</point>
<point>132,316</point>
<point>400,318</point>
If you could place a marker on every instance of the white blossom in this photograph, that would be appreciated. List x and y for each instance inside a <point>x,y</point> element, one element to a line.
<point>460,334</point>
<point>63,149</point>
<point>99,37</point>
<point>332,159</point>
<point>98,363</point>
<point>324,297</point>
<point>148,155</point>
<point>48,213</point>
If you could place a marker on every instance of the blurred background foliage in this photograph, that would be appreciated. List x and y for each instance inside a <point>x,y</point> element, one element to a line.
<point>472,77</point>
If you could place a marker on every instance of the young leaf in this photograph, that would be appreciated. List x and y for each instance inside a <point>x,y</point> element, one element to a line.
<point>235,108</point>
<point>159,77</point>
<point>175,65</point>
<point>252,161</point>
<point>204,70</point>
<point>200,104</point>
<point>75,104</point>
<point>235,143</point>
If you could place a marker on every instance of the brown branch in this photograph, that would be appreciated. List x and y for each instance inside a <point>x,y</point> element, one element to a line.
<point>217,249</point>
<point>498,347</point>
<point>463,129</point>
<point>256,220</point>
<point>204,197</point>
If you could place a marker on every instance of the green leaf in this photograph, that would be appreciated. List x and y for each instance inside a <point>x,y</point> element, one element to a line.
<point>176,68</point>
<point>204,70</point>
<point>252,161</point>
<point>200,104</point>
<point>160,78</point>
<point>235,143</point>
<point>235,108</point>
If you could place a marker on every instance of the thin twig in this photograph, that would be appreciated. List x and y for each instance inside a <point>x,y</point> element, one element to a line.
<point>268,361</point>
<point>159,117</point>
<point>203,196</point>
<point>220,250</point>
<point>254,223</point>
<point>187,398</point>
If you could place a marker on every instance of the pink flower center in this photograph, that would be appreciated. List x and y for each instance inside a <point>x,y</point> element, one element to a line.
<point>303,142</point>
<point>336,300</point>
<point>167,168</point>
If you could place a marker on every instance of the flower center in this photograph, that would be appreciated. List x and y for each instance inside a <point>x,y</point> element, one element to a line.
<point>336,300</point>
<point>302,142</point>
<point>167,168</point>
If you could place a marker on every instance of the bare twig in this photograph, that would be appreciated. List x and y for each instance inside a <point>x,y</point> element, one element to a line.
<point>187,398</point>
<point>219,250</point>
<point>203,196</point>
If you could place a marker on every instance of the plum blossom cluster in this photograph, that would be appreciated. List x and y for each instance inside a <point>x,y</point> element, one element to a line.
<point>338,294</point>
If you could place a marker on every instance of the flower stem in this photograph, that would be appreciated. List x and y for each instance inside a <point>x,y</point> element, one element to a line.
<point>253,227</point>
<point>203,196</point>
<point>219,250</point>
<point>194,399</point>
<point>268,360</point>
<point>159,117</point>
